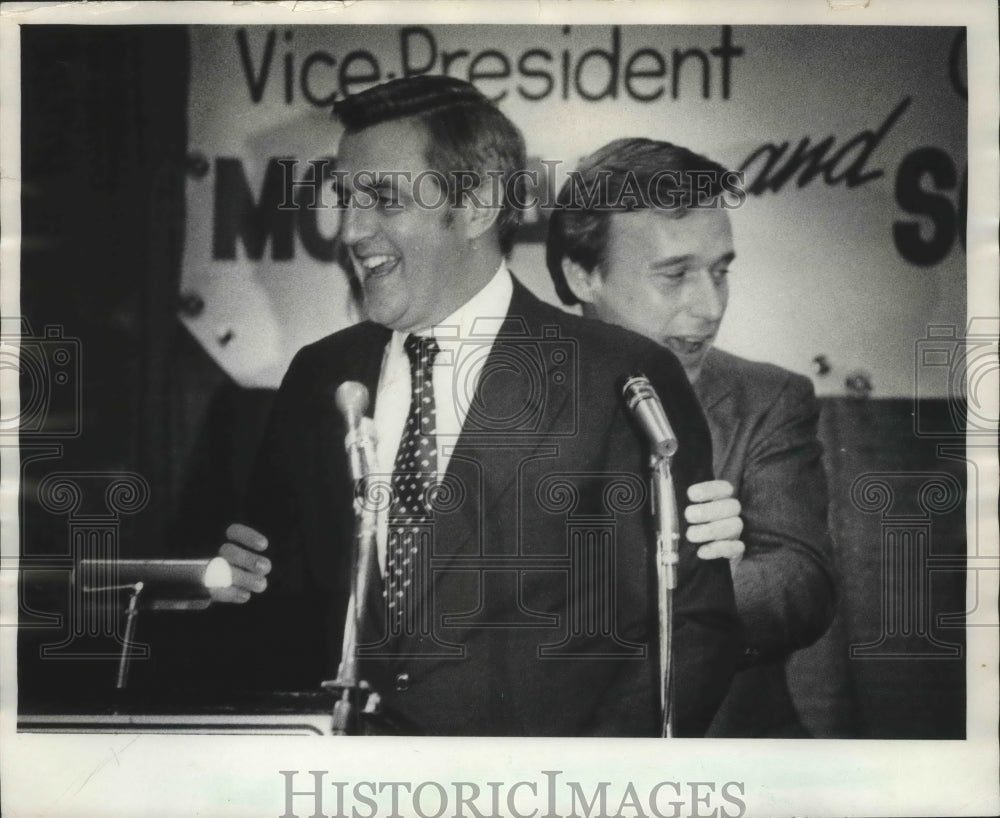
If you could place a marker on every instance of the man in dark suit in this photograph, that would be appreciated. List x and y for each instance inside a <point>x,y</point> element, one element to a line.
<point>515,592</point>
<point>659,266</point>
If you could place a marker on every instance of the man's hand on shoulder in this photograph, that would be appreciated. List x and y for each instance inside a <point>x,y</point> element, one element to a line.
<point>243,551</point>
<point>714,519</point>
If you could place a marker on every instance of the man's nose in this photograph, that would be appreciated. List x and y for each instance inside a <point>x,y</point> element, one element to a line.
<point>706,298</point>
<point>355,223</point>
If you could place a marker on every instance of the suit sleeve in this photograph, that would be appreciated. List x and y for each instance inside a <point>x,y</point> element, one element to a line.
<point>707,635</point>
<point>275,628</point>
<point>270,502</point>
<point>784,584</point>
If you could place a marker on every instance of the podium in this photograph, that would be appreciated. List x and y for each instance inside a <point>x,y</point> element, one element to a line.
<point>275,724</point>
<point>280,714</point>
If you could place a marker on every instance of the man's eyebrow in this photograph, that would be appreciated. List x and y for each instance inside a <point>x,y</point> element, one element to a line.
<point>672,261</point>
<point>381,185</point>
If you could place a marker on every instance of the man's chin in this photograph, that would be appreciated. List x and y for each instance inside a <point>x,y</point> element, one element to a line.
<point>381,312</point>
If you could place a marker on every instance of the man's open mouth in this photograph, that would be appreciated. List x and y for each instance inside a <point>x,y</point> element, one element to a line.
<point>376,265</point>
<point>688,344</point>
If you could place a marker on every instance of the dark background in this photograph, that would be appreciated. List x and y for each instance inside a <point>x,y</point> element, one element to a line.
<point>104,160</point>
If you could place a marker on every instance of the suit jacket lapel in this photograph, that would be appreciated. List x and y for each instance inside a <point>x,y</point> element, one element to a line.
<point>715,394</point>
<point>516,406</point>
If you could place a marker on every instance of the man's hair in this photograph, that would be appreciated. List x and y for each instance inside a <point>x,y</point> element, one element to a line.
<point>623,176</point>
<point>466,133</point>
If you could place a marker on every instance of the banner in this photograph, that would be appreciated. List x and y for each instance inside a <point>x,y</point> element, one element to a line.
<point>852,141</point>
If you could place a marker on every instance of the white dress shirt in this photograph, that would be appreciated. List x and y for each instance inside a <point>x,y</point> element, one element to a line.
<point>465,339</point>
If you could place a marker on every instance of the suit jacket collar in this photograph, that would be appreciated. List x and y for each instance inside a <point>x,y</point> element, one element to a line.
<point>513,411</point>
<point>716,390</point>
<point>713,384</point>
<point>523,320</point>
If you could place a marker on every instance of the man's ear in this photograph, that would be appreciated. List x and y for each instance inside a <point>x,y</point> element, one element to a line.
<point>480,210</point>
<point>582,283</point>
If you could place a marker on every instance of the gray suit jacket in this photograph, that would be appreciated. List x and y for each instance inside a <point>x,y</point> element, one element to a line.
<point>763,421</point>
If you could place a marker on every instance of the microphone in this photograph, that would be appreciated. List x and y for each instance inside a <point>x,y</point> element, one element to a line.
<point>352,401</point>
<point>645,406</point>
<point>161,577</point>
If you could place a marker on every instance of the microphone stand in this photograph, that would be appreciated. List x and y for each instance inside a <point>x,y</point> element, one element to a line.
<point>667,536</point>
<point>131,613</point>
<point>153,584</point>
<point>645,406</point>
<point>360,445</point>
<point>347,682</point>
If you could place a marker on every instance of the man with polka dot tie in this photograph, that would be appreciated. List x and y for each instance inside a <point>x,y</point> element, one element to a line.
<point>414,475</point>
<point>516,578</point>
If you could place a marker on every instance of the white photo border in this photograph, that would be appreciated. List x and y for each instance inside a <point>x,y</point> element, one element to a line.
<point>170,775</point>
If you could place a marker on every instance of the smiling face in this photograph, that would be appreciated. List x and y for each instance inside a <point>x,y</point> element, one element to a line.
<point>663,277</point>
<point>412,254</point>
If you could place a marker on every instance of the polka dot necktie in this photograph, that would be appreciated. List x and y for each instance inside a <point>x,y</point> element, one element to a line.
<point>413,477</point>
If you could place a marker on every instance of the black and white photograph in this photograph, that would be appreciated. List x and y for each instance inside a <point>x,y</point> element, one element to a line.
<point>503,409</point>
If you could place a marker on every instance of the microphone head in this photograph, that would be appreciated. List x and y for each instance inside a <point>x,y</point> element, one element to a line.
<point>352,399</point>
<point>645,406</point>
<point>635,388</point>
